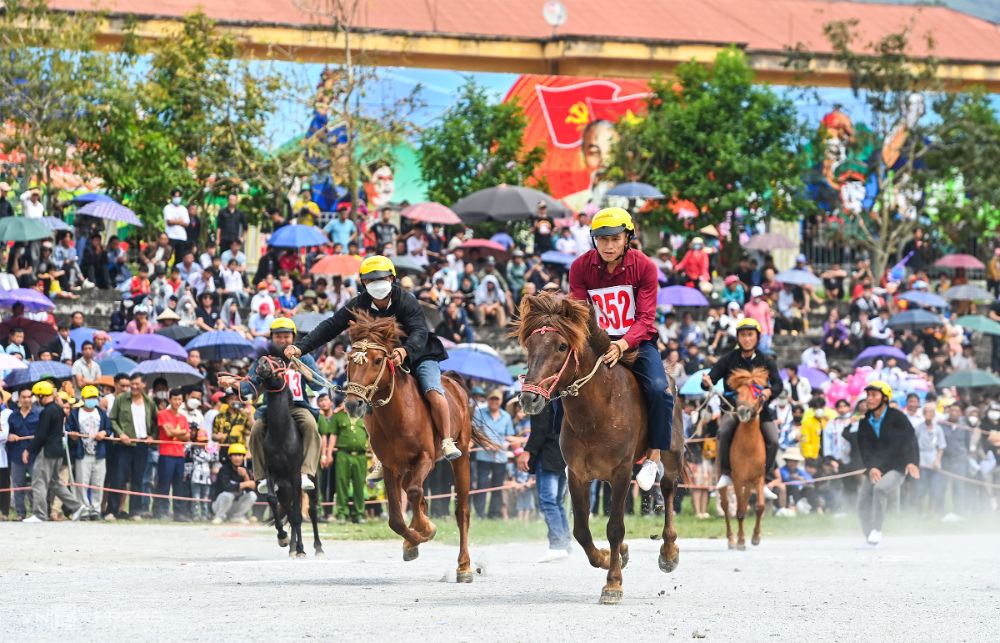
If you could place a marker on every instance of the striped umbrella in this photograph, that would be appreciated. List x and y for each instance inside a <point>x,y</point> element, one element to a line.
<point>221,344</point>
<point>33,300</point>
<point>25,377</point>
<point>111,211</point>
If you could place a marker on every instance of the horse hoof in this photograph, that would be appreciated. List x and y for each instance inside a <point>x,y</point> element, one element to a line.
<point>464,577</point>
<point>320,552</point>
<point>755,541</point>
<point>624,555</point>
<point>732,545</point>
<point>300,554</point>
<point>741,546</point>
<point>283,541</point>
<point>410,553</point>
<point>611,597</point>
<point>668,565</point>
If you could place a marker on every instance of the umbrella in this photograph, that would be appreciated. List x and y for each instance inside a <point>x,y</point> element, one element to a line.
<point>635,190</point>
<point>770,241</point>
<point>561,258</point>
<point>32,299</point>
<point>798,278</point>
<point>150,347</point>
<point>680,296</point>
<point>914,320</point>
<point>342,265</point>
<point>482,348</point>
<point>89,197</point>
<point>814,376</point>
<point>873,353</point>
<point>692,386</point>
<point>306,322</point>
<point>180,334</point>
<point>176,373</point>
<point>36,371</point>
<point>55,223</point>
<point>81,335</point>
<point>959,261</point>
<point>297,236</point>
<point>485,247</point>
<point>11,363</point>
<point>23,229</point>
<point>36,334</point>
<point>965,292</point>
<point>479,365</point>
<point>506,203</point>
<point>925,299</point>
<point>111,211</point>
<point>979,323</point>
<point>405,263</point>
<point>116,364</point>
<point>969,379</point>
<point>431,212</point>
<point>221,344</point>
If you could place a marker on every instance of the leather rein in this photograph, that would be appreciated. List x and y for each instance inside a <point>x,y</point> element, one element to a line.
<point>359,355</point>
<point>573,390</point>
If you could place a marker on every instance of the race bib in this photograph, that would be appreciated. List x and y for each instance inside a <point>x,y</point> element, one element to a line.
<point>615,308</point>
<point>294,379</point>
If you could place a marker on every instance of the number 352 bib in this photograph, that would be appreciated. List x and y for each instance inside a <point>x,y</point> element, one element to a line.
<point>615,308</point>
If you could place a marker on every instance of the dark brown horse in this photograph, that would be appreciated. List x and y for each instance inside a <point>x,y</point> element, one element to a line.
<point>746,453</point>
<point>604,425</point>
<point>403,435</point>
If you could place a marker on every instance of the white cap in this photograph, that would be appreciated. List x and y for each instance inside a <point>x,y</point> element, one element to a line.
<point>756,291</point>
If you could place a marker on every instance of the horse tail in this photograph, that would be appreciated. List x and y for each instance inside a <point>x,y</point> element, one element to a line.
<point>479,437</point>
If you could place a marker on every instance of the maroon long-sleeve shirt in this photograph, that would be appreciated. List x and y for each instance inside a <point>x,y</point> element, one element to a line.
<point>625,300</point>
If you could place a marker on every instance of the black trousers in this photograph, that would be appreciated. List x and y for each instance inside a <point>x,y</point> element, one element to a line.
<point>489,475</point>
<point>130,465</point>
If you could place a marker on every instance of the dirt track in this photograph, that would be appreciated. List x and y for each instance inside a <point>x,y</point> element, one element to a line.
<point>146,581</point>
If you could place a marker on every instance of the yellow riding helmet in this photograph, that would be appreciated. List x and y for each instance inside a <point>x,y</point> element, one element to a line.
<point>90,391</point>
<point>748,323</point>
<point>377,267</point>
<point>881,387</point>
<point>283,325</point>
<point>43,388</point>
<point>611,221</point>
<point>237,449</point>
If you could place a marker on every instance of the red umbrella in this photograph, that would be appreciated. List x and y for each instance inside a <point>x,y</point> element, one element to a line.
<point>36,334</point>
<point>959,261</point>
<point>431,212</point>
<point>485,247</point>
<point>336,265</point>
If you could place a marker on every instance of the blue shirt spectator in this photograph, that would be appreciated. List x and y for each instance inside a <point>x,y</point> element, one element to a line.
<point>497,425</point>
<point>23,426</point>
<point>341,230</point>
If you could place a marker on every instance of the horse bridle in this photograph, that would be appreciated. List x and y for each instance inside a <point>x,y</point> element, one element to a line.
<point>366,393</point>
<point>573,389</point>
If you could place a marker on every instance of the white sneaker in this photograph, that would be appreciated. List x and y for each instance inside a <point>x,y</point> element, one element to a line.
<point>216,521</point>
<point>770,495</point>
<point>875,537</point>
<point>647,475</point>
<point>76,514</point>
<point>307,484</point>
<point>375,474</point>
<point>723,482</point>
<point>553,555</point>
<point>449,450</point>
<point>33,519</point>
<point>88,284</point>
<point>262,487</point>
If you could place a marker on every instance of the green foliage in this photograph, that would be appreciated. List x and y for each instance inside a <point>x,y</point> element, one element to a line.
<point>477,144</point>
<point>715,138</point>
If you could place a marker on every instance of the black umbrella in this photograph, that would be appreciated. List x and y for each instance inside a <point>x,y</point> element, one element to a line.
<point>914,320</point>
<point>180,334</point>
<point>405,264</point>
<point>506,203</point>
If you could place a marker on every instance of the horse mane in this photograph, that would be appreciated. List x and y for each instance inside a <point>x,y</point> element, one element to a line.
<point>385,330</point>
<point>741,377</point>
<point>573,319</point>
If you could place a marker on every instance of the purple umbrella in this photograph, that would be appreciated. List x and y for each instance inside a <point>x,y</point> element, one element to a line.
<point>873,353</point>
<point>680,296</point>
<point>33,300</point>
<point>111,211</point>
<point>814,376</point>
<point>150,347</point>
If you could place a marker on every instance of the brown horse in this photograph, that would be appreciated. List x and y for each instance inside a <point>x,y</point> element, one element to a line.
<point>403,435</point>
<point>746,453</point>
<point>604,426</point>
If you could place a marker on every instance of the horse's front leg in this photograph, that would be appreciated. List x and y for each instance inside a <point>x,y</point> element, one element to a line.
<point>579,492</point>
<point>394,502</point>
<point>760,506</point>
<point>295,521</point>
<point>413,483</point>
<point>742,504</point>
<point>620,487</point>
<point>272,502</point>
<point>723,499</point>
<point>669,552</point>
<point>314,518</point>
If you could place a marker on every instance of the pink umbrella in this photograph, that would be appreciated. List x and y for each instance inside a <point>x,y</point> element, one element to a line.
<point>486,247</point>
<point>431,212</point>
<point>959,261</point>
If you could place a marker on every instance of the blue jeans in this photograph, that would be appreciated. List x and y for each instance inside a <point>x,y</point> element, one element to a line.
<point>551,487</point>
<point>169,474</point>
<point>428,374</point>
<point>648,369</point>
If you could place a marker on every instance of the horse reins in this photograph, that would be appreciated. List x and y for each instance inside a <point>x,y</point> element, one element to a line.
<point>573,389</point>
<point>367,393</point>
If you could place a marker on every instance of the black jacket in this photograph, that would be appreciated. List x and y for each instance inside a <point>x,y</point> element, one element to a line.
<point>228,479</point>
<point>420,343</point>
<point>49,434</point>
<point>894,448</point>
<point>55,347</point>
<point>543,443</point>
<point>735,360</point>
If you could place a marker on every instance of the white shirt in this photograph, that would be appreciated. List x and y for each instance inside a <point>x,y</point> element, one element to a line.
<point>32,210</point>
<point>814,357</point>
<point>567,246</point>
<point>90,423</point>
<point>4,432</point>
<point>176,232</point>
<point>581,234</point>
<point>233,280</point>
<point>139,419</point>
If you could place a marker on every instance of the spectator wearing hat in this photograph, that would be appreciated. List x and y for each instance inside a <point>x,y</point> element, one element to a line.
<point>491,466</point>
<point>87,428</point>
<point>542,229</point>
<point>140,324</point>
<point>233,492</point>
<point>46,448</point>
<point>733,291</point>
<point>6,207</point>
<point>31,204</point>
<point>798,482</point>
<point>207,318</point>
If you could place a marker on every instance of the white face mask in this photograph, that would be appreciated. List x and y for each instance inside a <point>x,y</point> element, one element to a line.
<point>379,289</point>
<point>193,404</point>
<point>994,415</point>
<point>973,421</point>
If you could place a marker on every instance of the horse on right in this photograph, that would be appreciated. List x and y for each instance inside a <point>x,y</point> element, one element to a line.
<point>747,454</point>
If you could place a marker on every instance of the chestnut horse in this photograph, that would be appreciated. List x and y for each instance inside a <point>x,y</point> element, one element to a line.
<point>747,454</point>
<point>604,425</point>
<point>403,435</point>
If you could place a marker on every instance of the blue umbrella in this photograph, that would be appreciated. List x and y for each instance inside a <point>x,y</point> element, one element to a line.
<point>297,236</point>
<point>176,373</point>
<point>798,278</point>
<point>116,364</point>
<point>680,296</point>
<point>561,258</point>
<point>914,320</point>
<point>111,211</point>
<point>81,335</point>
<point>55,223</point>
<point>90,197</point>
<point>149,347</point>
<point>31,299</point>
<point>634,190</point>
<point>693,384</point>
<point>221,344</point>
<point>873,353</point>
<point>37,370</point>
<point>479,365</point>
<point>925,299</point>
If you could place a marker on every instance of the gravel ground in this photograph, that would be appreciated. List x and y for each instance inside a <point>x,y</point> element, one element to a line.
<point>149,581</point>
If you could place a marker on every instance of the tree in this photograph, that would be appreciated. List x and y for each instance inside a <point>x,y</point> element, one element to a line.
<point>714,138</point>
<point>477,144</point>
